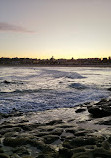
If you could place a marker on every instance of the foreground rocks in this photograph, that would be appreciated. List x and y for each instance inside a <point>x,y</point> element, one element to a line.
<point>101,109</point>
<point>62,133</point>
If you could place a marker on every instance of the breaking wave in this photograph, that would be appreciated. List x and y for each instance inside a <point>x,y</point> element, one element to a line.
<point>63,74</point>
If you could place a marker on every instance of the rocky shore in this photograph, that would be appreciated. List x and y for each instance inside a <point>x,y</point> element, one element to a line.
<point>80,132</point>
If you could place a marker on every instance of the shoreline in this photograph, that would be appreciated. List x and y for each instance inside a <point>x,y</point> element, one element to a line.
<point>59,133</point>
<point>100,66</point>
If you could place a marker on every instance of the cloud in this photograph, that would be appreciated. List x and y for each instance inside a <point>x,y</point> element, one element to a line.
<point>13,28</point>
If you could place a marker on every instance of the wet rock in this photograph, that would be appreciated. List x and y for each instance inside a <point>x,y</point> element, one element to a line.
<point>46,128</point>
<point>40,134</point>
<point>64,152</point>
<point>2,115</point>
<point>108,122</point>
<point>99,112</point>
<point>80,141</point>
<point>109,89</point>
<point>14,156</point>
<point>14,142</point>
<point>50,138</point>
<point>100,109</point>
<point>28,127</point>
<point>65,125</point>
<point>70,130</point>
<point>6,82</point>
<point>2,155</point>
<point>57,131</point>
<point>106,145</point>
<point>80,110</point>
<point>37,143</point>
<point>101,152</point>
<point>27,156</point>
<point>21,151</point>
<point>81,155</point>
<point>10,134</point>
<point>1,150</point>
<point>102,101</point>
<point>80,133</point>
<point>109,139</point>
<point>48,153</point>
<point>54,122</point>
<point>9,131</point>
<point>79,149</point>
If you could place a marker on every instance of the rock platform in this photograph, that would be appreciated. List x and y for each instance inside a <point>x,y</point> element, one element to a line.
<point>78,132</point>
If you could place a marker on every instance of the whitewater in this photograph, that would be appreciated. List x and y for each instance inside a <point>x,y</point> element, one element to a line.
<point>30,89</point>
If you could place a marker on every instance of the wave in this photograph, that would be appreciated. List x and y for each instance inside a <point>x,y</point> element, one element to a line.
<point>77,86</point>
<point>24,91</point>
<point>61,74</point>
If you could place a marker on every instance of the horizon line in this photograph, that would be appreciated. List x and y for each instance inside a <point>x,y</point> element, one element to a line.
<point>56,58</point>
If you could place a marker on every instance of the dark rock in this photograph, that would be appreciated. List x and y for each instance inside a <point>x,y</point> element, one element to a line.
<point>64,152</point>
<point>1,150</point>
<point>28,127</point>
<point>14,142</point>
<point>10,130</point>
<point>57,131</point>
<point>106,145</point>
<point>6,82</point>
<point>27,156</point>
<point>102,101</point>
<point>100,109</point>
<point>81,133</point>
<point>79,142</point>
<point>36,143</point>
<point>54,122</point>
<point>95,153</point>
<point>2,115</point>
<point>101,152</point>
<point>109,140</point>
<point>70,130</point>
<point>50,138</point>
<point>21,151</point>
<point>79,149</point>
<point>42,134</point>
<point>48,153</point>
<point>4,155</point>
<point>81,155</point>
<point>109,89</point>
<point>10,134</point>
<point>99,112</point>
<point>65,126</point>
<point>105,122</point>
<point>80,110</point>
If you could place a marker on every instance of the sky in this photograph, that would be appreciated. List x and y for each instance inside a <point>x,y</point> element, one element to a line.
<point>58,28</point>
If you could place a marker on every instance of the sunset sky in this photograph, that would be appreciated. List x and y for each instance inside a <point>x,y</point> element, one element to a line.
<point>59,28</point>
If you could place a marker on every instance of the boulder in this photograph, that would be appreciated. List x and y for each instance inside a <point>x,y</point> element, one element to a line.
<point>100,109</point>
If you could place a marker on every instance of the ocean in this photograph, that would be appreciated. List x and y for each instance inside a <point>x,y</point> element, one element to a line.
<point>30,89</point>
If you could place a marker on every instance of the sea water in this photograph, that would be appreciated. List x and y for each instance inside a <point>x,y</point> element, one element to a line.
<point>41,88</point>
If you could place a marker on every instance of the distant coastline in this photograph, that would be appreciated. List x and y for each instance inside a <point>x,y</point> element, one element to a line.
<point>102,65</point>
<point>30,62</point>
